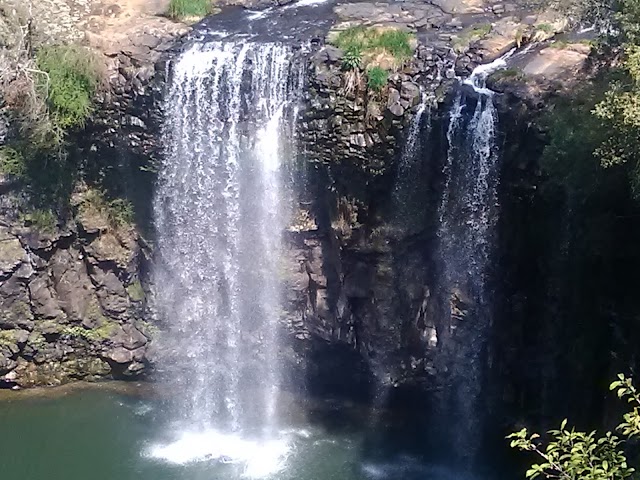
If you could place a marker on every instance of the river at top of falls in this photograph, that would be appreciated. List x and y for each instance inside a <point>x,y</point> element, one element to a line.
<point>219,215</point>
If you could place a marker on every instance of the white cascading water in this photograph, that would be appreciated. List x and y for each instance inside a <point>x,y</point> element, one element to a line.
<point>468,215</point>
<point>219,216</point>
<point>404,191</point>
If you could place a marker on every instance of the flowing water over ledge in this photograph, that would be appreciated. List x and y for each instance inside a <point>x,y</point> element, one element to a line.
<point>100,434</point>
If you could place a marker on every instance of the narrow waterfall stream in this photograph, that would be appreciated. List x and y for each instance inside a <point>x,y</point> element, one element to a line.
<point>220,213</point>
<point>407,201</point>
<point>467,219</point>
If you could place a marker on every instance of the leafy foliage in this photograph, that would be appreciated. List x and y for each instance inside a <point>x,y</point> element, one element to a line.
<point>186,9</point>
<point>574,455</point>
<point>574,133</point>
<point>12,162</point>
<point>55,97</point>
<point>48,91</point>
<point>377,78</point>
<point>620,108</point>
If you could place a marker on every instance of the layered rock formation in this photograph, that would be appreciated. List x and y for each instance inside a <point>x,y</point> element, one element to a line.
<point>71,300</point>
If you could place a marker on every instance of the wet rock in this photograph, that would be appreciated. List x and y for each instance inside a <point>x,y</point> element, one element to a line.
<point>42,299</point>
<point>6,365</point>
<point>329,54</point>
<point>134,369</point>
<point>410,91</point>
<point>72,284</point>
<point>129,337</point>
<point>120,355</point>
<point>396,109</point>
<point>15,307</point>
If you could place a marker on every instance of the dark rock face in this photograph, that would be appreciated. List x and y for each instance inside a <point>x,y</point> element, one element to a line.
<point>71,302</point>
<point>358,281</point>
<point>345,126</point>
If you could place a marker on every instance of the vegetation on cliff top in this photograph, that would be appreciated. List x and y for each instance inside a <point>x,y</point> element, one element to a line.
<point>49,93</point>
<point>376,50</point>
<point>371,42</point>
<point>600,126</point>
<point>48,96</point>
<point>70,78</point>
<point>619,110</point>
<point>116,211</point>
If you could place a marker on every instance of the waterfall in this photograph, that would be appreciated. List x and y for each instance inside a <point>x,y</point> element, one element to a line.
<point>407,201</point>
<point>467,218</point>
<point>219,214</point>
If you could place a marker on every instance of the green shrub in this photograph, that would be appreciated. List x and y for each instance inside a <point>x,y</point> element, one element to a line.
<point>545,27</point>
<point>352,59</point>
<point>43,220</point>
<point>73,76</point>
<point>574,455</point>
<point>12,162</point>
<point>181,9</point>
<point>353,37</point>
<point>121,211</point>
<point>377,78</point>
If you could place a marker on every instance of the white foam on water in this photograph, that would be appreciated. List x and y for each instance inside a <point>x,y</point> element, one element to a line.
<point>478,78</point>
<point>296,432</point>
<point>255,15</point>
<point>306,3</point>
<point>260,458</point>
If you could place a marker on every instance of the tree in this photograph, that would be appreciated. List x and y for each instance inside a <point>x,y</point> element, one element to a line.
<point>571,455</point>
<point>620,109</point>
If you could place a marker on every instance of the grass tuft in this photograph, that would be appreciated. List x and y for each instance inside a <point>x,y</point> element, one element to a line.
<point>73,74</point>
<point>189,9</point>
<point>377,78</point>
<point>352,59</point>
<point>371,44</point>
<point>396,42</point>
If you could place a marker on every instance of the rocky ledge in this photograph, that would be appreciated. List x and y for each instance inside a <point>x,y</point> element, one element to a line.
<point>71,298</point>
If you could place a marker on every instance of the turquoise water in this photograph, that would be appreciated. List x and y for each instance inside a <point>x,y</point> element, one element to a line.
<point>104,435</point>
